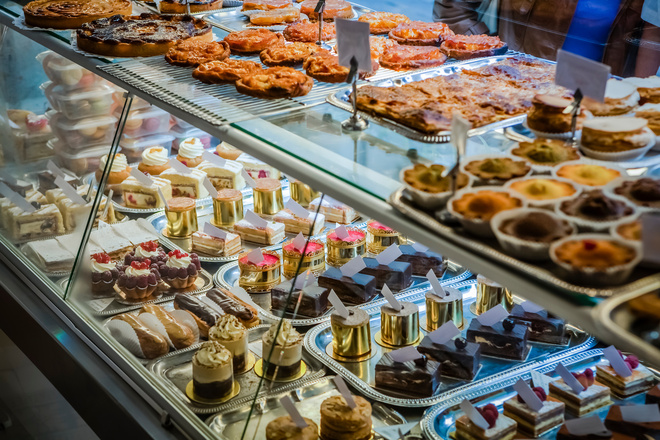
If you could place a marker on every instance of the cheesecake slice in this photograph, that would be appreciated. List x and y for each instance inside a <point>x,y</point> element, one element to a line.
<point>186,185</point>
<point>216,246</point>
<point>228,176</point>
<point>137,195</point>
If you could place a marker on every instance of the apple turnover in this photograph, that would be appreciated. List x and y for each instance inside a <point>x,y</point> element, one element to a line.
<point>227,71</point>
<point>288,55</point>
<point>308,32</point>
<point>383,22</point>
<point>412,57</point>
<point>420,33</point>
<point>252,41</point>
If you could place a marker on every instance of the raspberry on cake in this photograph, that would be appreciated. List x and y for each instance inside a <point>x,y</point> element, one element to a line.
<point>500,427</point>
<point>104,273</point>
<point>147,250</point>
<point>139,280</point>
<point>593,396</point>
<point>640,380</point>
<point>533,422</point>
<point>180,270</point>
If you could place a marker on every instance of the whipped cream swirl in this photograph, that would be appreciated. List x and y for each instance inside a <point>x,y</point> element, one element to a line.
<point>133,272</point>
<point>287,336</point>
<point>118,165</point>
<point>182,262</point>
<point>101,267</point>
<point>154,156</point>
<point>212,355</point>
<point>228,328</point>
<point>143,253</point>
<point>191,148</point>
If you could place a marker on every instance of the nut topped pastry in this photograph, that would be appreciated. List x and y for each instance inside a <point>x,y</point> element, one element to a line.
<point>308,32</point>
<point>499,169</point>
<point>419,33</point>
<point>463,47</point>
<point>194,52</point>
<point>547,115</point>
<point>275,82</point>
<point>340,422</point>
<point>284,428</point>
<point>252,41</point>
<point>616,134</point>
<point>288,55</point>
<point>546,152</point>
<point>226,71</point>
<point>383,22</point>
<point>643,192</point>
<point>71,14</point>
<point>333,9</point>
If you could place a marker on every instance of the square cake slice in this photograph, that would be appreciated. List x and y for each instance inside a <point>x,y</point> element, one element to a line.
<point>294,224</point>
<point>640,380</point>
<point>273,233</point>
<point>503,428</point>
<point>542,326</point>
<point>45,221</point>
<point>397,275</point>
<point>504,339</point>
<point>458,358</point>
<point>535,423</point>
<point>228,176</point>
<point>358,289</point>
<point>591,398</point>
<point>423,261</point>
<point>418,378</point>
<point>314,301</point>
<point>216,246</point>
<point>137,195</point>
<point>50,255</point>
<point>186,185</point>
<point>334,210</point>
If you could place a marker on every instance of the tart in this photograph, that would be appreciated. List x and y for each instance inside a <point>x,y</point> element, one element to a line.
<point>180,270</point>
<point>289,55</point>
<point>643,192</point>
<point>463,47</point>
<point>275,82</point>
<point>589,174</point>
<point>264,5</point>
<point>227,71</point>
<point>542,191</point>
<point>650,112</point>
<point>71,14</point>
<point>475,208</point>
<point>148,250</point>
<point>324,66</point>
<point>383,22</point>
<point>497,169</point>
<point>104,273</point>
<point>648,88</point>
<point>615,134</point>
<point>119,170</point>
<point>427,186</point>
<point>138,281</point>
<point>333,9</point>
<point>194,52</point>
<point>179,6</point>
<point>545,152</point>
<point>629,230</point>
<point>308,32</point>
<point>547,115</point>
<point>419,33</point>
<point>273,17</point>
<point>412,57</point>
<point>593,210</point>
<point>620,98</point>
<point>252,41</point>
<point>142,35</point>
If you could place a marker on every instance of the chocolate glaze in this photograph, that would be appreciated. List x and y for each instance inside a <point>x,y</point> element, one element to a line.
<point>542,326</point>
<point>418,378</point>
<point>230,305</point>
<point>497,341</point>
<point>594,205</point>
<point>357,289</point>
<point>461,363</point>
<point>189,303</point>
<point>397,275</point>
<point>536,227</point>
<point>422,262</point>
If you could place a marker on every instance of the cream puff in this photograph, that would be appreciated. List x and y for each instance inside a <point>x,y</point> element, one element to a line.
<point>119,171</point>
<point>190,152</point>
<point>154,161</point>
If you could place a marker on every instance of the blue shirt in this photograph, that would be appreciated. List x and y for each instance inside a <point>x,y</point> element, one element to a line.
<point>590,27</point>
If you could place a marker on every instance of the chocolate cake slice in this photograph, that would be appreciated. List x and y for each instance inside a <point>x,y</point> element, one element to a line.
<point>357,289</point>
<point>397,275</point>
<point>423,261</point>
<point>505,339</point>
<point>314,301</point>
<point>543,327</point>
<point>458,358</point>
<point>638,430</point>
<point>419,377</point>
<point>653,395</point>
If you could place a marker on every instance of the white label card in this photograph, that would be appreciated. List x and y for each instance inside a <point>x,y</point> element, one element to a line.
<point>341,232</point>
<point>616,361</point>
<point>69,191</point>
<point>395,432</point>
<point>389,296</point>
<point>459,133</point>
<point>16,199</point>
<point>353,41</point>
<point>255,220</point>
<point>288,405</point>
<point>445,333</point>
<point>299,242</point>
<point>493,316</point>
<point>577,72</point>
<point>101,304</point>
<point>529,396</point>
<point>248,179</point>
<point>54,169</point>
<point>352,267</point>
<point>214,159</point>
<point>214,231</point>
<point>389,255</point>
<point>405,354</point>
<point>304,279</point>
<point>419,247</point>
<point>541,380</point>
<point>141,177</point>
<point>474,415</point>
<point>640,413</point>
<point>162,196</point>
<point>531,307</point>
<point>585,426</point>
<point>569,379</point>
<point>297,210</point>
<point>209,187</point>
<point>255,256</point>
<point>651,237</point>
<point>343,390</point>
<point>179,167</point>
<point>9,179</point>
<point>339,306</point>
<point>435,284</point>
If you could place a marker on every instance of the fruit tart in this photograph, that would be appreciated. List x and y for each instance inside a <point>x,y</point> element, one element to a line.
<point>333,9</point>
<point>142,35</point>
<point>194,52</point>
<point>289,55</point>
<point>428,186</point>
<point>252,41</point>
<point>308,32</point>
<point>71,14</point>
<point>148,250</point>
<point>401,57</point>
<point>383,22</point>
<point>179,6</point>
<point>324,66</point>
<point>419,33</point>
<point>180,270</point>
<point>138,281</point>
<point>104,273</point>
<point>227,71</point>
<point>476,207</point>
<point>275,82</point>
<point>463,47</point>
<point>497,170</point>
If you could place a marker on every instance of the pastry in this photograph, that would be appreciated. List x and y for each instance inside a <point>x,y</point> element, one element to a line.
<point>180,270</point>
<point>443,306</point>
<point>616,134</point>
<point>458,358</point>
<point>358,289</point>
<point>528,233</point>
<point>204,316</point>
<point>138,281</point>
<point>182,6</point>
<point>264,5</point>
<point>282,350</point>
<point>399,328</point>
<point>414,378</point>
<point>104,273</point>
<point>44,221</point>
<point>140,35</point>
<point>594,395</point>
<point>351,336</point>
<point>252,41</point>
<point>190,152</point>
<point>154,161</point>
<point>111,242</point>
<point>419,33</point>
<point>50,255</point>
<point>542,190</point>
<point>506,339</point>
<point>464,47</point>
<point>262,276</point>
<point>310,301</point>
<point>397,274</point>
<point>275,82</point>
<point>543,326</point>
<point>313,261</point>
<point>31,196</point>
<point>342,250</point>
<point>71,14</point>
<point>192,53</point>
<point>650,112</point>
<point>545,152</point>
<point>290,55</point>
<point>308,32</point>
<point>630,230</point>
<point>118,172</point>
<point>377,45</point>
<point>212,371</point>
<point>380,237</point>
<point>232,334</point>
<point>216,246</point>
<point>140,196</point>
<point>267,196</point>
<point>310,225</point>
<point>547,115</point>
<point>152,344</point>
<point>341,422</point>
<point>644,192</point>
<point>640,380</point>
<point>595,209</point>
<point>630,429</point>
<point>231,305</point>
<point>333,9</point>
<point>498,169</point>
<point>179,334</point>
<point>430,185</point>
<point>648,88</point>
<point>533,422</point>
<point>274,17</point>
<point>422,261</point>
<point>483,204</point>
<point>588,174</point>
<point>334,210</point>
<point>500,427</point>
<point>258,169</point>
<point>228,151</point>
<point>186,185</point>
<point>620,97</point>
<point>383,22</point>
<point>402,57</point>
<point>226,71</point>
<point>226,176</point>
<point>227,208</point>
<point>284,428</point>
<point>273,232</point>
<point>324,66</point>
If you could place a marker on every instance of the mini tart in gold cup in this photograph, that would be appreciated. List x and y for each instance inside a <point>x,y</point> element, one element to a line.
<point>341,251</point>
<point>399,328</point>
<point>181,217</point>
<point>259,277</point>
<point>492,170</point>
<point>544,154</point>
<point>427,186</point>
<point>380,237</point>
<point>314,259</point>
<point>351,336</point>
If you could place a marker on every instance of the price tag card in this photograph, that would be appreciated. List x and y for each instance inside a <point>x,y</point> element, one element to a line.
<point>141,177</point>
<point>493,316</point>
<point>179,167</point>
<point>474,415</point>
<point>209,187</point>
<point>577,72</point>
<point>339,306</point>
<point>419,247</point>
<point>616,361</point>
<point>297,210</point>
<point>304,279</point>
<point>341,232</point>
<point>352,267</point>
<point>248,179</point>
<point>640,413</point>
<point>344,391</point>
<point>586,426</point>
<point>214,231</point>
<point>445,333</point>
<point>526,393</point>
<point>459,133</point>
<point>388,255</point>
<point>650,237</point>
<point>255,220</point>
<point>101,304</point>
<point>435,284</point>
<point>353,41</point>
<point>54,169</point>
<point>299,242</point>
<point>389,296</point>
<point>405,354</point>
<point>15,198</point>
<point>255,256</point>
<point>214,159</point>
<point>288,405</point>
<point>541,380</point>
<point>569,379</point>
<point>531,307</point>
<point>69,191</point>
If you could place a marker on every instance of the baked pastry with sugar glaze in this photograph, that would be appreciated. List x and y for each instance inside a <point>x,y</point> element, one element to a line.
<point>419,33</point>
<point>181,6</point>
<point>71,14</point>
<point>401,57</point>
<point>193,53</point>
<point>288,55</point>
<point>253,41</point>
<point>308,32</point>
<point>227,71</point>
<point>273,17</point>
<point>324,66</point>
<point>464,47</point>
<point>383,22</point>
<point>333,9</point>
<point>275,82</point>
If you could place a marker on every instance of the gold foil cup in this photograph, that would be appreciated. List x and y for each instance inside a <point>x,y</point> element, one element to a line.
<point>181,217</point>
<point>490,294</point>
<point>351,341</point>
<point>314,262</point>
<point>397,329</point>
<point>268,197</point>
<point>302,193</point>
<point>227,210</point>
<point>439,313</point>
<point>255,278</point>
<point>341,252</point>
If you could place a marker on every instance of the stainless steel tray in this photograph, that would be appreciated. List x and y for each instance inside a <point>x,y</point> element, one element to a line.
<point>307,398</point>
<point>342,100</point>
<point>642,280</point>
<point>175,371</point>
<point>227,277</point>
<point>362,374</point>
<point>439,422</point>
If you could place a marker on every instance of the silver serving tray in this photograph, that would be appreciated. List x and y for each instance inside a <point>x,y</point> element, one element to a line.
<point>439,422</point>
<point>175,371</point>
<point>362,374</point>
<point>227,277</point>
<point>642,280</point>
<point>342,99</point>
<point>307,398</point>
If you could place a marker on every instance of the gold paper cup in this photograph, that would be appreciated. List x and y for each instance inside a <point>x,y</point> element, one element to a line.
<point>227,208</point>
<point>351,337</point>
<point>302,193</point>
<point>341,252</point>
<point>399,328</point>
<point>440,311</point>
<point>314,259</point>
<point>490,294</point>
<point>181,217</point>
<point>268,197</point>
<point>261,278</point>
<point>380,237</point>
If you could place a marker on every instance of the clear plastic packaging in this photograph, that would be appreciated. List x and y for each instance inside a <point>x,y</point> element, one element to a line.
<point>132,147</point>
<point>118,96</point>
<point>180,134</point>
<point>148,121</point>
<point>66,73</point>
<point>81,162</point>
<point>80,103</point>
<point>77,134</point>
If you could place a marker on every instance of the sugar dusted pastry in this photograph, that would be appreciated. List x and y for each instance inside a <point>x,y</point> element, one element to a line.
<point>620,98</point>
<point>190,152</point>
<point>227,176</point>
<point>334,210</point>
<point>49,255</point>
<point>616,134</point>
<point>154,161</point>
<point>547,115</point>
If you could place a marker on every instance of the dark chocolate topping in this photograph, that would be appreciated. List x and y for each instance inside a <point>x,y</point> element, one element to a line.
<point>184,301</point>
<point>537,227</point>
<point>594,205</point>
<point>460,343</point>
<point>230,305</point>
<point>508,324</point>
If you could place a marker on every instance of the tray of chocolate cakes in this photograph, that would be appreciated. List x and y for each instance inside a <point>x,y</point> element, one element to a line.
<point>323,406</point>
<point>597,394</point>
<point>277,291</point>
<point>424,348</point>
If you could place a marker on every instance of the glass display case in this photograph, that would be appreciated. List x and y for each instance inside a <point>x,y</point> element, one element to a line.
<point>230,250</point>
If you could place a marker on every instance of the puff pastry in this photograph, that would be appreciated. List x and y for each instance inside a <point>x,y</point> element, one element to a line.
<point>333,9</point>
<point>308,32</point>
<point>275,82</point>
<point>227,71</point>
<point>420,33</point>
<point>274,17</point>
<point>194,52</point>
<point>383,22</point>
<point>288,55</point>
<point>253,40</point>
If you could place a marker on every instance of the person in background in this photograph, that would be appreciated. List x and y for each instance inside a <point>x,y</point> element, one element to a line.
<point>609,31</point>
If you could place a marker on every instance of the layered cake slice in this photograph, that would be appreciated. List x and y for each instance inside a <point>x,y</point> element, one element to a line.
<point>535,423</point>
<point>504,339</point>
<point>227,176</point>
<point>313,302</point>
<point>258,169</point>
<point>294,224</point>
<point>134,232</point>
<point>333,210</point>
<point>186,184</point>
<point>500,427</point>
<point>273,233</point>
<point>282,350</point>
<point>31,196</point>
<point>45,221</point>
<point>419,377</point>
<point>423,261</point>
<point>216,246</point>
<point>616,422</point>
<point>111,242</point>
<point>49,255</point>
<point>397,275</point>
<point>640,380</point>
<point>593,396</point>
<point>543,327</point>
<point>458,358</point>
<point>140,196</point>
<point>358,289</point>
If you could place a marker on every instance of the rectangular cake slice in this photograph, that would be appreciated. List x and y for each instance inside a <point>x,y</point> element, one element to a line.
<point>137,195</point>
<point>273,233</point>
<point>334,210</point>
<point>216,246</point>
<point>592,398</point>
<point>532,422</point>
<point>49,255</point>
<point>228,176</point>
<point>358,289</point>
<point>640,380</point>
<point>496,340</point>
<point>417,378</point>
<point>45,221</point>
<point>504,429</point>
<point>186,185</point>
<point>542,326</point>
<point>458,358</point>
<point>294,224</point>
<point>111,242</point>
<point>423,261</point>
<point>397,275</point>
<point>313,303</point>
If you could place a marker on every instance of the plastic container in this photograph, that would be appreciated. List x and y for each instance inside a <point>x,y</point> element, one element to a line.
<point>118,97</point>
<point>183,125</point>
<point>148,121</point>
<point>180,134</point>
<point>80,103</point>
<point>81,162</point>
<point>83,132</point>
<point>132,147</point>
<point>66,73</point>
